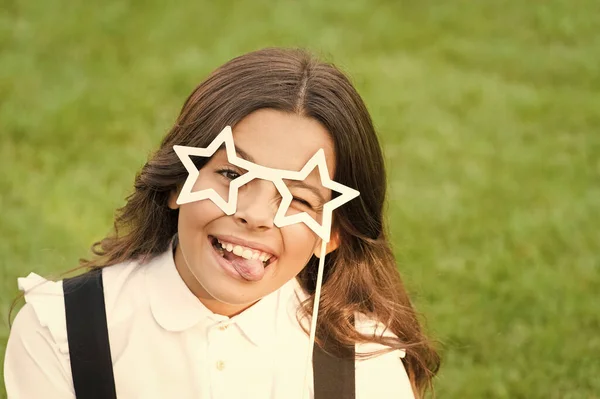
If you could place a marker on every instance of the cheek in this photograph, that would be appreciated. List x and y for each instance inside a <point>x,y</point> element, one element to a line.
<point>299,243</point>
<point>197,214</point>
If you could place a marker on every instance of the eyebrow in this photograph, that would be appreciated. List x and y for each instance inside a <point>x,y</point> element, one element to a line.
<point>242,154</point>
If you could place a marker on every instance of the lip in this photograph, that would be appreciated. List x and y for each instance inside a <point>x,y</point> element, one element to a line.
<point>228,267</point>
<point>225,265</point>
<point>249,244</point>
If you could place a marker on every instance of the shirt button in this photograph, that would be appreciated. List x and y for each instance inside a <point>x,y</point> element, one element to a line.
<point>220,365</point>
<point>223,327</point>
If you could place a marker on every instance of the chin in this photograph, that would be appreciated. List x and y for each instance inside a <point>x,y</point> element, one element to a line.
<point>224,294</point>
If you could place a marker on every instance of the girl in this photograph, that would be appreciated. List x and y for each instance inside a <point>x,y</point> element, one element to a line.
<point>199,303</point>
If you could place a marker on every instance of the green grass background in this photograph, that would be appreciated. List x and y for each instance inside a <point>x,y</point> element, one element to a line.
<point>488,112</point>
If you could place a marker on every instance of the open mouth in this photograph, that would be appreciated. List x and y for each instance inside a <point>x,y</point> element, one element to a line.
<point>227,250</point>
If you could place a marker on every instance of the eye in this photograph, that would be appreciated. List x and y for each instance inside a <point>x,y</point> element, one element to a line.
<point>229,174</point>
<point>303,202</point>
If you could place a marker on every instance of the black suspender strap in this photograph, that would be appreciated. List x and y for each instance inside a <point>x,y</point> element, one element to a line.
<point>91,364</point>
<point>333,377</point>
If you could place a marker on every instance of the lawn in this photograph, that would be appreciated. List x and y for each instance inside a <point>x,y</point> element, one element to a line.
<point>488,112</point>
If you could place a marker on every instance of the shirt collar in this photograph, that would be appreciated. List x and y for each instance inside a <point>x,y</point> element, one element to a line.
<point>173,305</point>
<point>176,308</point>
<point>259,322</point>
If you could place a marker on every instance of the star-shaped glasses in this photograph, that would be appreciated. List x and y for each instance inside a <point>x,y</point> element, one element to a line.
<point>256,171</point>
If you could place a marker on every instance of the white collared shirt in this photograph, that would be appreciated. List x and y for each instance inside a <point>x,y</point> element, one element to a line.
<point>166,344</point>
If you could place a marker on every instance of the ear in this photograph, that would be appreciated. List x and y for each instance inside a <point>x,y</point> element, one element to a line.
<point>173,195</point>
<point>332,245</point>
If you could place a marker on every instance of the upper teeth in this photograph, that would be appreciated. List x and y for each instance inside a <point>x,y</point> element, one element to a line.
<point>245,252</point>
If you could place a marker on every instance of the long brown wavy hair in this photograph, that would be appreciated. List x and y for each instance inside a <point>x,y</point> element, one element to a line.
<point>361,275</point>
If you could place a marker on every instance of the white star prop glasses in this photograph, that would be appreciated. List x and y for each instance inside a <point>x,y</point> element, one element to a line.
<point>276,176</point>
<point>255,171</point>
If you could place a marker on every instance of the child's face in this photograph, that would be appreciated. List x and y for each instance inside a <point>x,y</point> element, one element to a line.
<point>227,283</point>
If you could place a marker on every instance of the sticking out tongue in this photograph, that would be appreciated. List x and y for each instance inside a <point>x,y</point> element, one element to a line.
<point>249,269</point>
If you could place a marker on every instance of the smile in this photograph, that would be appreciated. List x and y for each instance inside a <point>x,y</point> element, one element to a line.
<point>222,246</point>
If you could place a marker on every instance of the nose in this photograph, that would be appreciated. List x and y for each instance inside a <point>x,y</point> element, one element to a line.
<point>257,205</point>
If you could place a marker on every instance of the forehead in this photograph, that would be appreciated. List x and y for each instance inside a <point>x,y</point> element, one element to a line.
<point>282,140</point>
